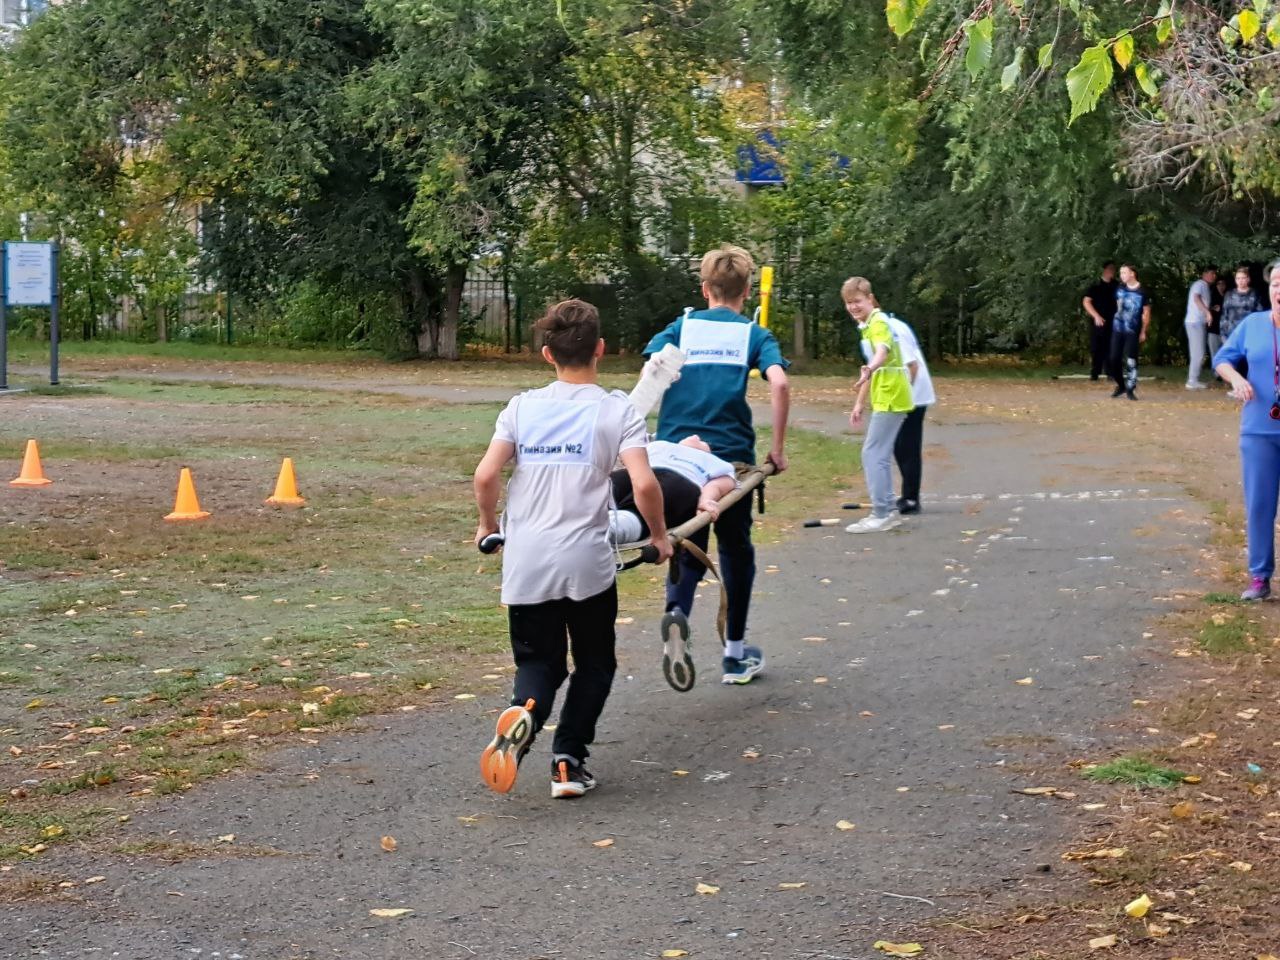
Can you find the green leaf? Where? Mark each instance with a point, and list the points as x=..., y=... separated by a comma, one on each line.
x=1260, y=7
x=1265, y=99
x=1250, y=24
x=1123, y=50
x=978, y=55
x=1088, y=80
x=903, y=14
x=1142, y=73
x=1045, y=57
x=1228, y=35
x=1273, y=31
x=1013, y=72
x=1164, y=22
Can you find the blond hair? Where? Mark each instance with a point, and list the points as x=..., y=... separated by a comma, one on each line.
x=727, y=272
x=856, y=285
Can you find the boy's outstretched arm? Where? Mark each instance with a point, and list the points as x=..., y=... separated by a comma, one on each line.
x=488, y=485
x=709, y=498
x=648, y=497
x=780, y=404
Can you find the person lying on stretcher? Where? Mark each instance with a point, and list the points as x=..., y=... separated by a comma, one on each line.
x=692, y=479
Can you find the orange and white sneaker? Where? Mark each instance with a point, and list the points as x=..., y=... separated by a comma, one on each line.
x=500, y=761
x=569, y=779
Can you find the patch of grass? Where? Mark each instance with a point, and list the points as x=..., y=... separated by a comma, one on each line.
x=1137, y=771
x=89, y=780
x=30, y=823
x=1227, y=599
x=1225, y=634
x=62, y=390
x=34, y=351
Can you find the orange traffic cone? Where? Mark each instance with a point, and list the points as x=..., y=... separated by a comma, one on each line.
x=286, y=494
x=187, y=506
x=32, y=474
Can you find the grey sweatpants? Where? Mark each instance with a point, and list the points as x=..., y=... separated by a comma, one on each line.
x=877, y=460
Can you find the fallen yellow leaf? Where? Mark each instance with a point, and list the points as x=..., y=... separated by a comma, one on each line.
x=34, y=704
x=388, y=844
x=310, y=709
x=706, y=888
x=1156, y=931
x=51, y=831
x=1108, y=853
x=1100, y=943
x=793, y=886
x=898, y=949
x=1037, y=791
x=390, y=912
x=1138, y=908
x=465, y=696
x=607, y=842
x=674, y=953
x=95, y=879
x=227, y=838
x=1183, y=809
x=819, y=679
x=679, y=773
x=1025, y=681
x=1191, y=779
x=1240, y=865
x=844, y=825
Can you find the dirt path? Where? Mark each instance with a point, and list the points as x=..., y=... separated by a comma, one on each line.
x=892, y=701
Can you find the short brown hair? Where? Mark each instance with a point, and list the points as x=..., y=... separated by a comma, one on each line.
x=727, y=271
x=571, y=330
x=856, y=285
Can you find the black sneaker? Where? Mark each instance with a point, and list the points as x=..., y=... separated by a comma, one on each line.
x=570, y=779
x=906, y=506
x=1131, y=395
x=677, y=663
x=1117, y=392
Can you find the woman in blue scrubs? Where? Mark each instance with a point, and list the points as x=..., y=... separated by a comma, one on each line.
x=1257, y=340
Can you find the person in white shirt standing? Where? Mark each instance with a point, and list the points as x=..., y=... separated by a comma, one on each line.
x=558, y=574
x=1197, y=320
x=908, y=448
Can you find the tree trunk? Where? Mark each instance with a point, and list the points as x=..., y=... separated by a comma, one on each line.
x=455, y=280
x=162, y=323
x=418, y=303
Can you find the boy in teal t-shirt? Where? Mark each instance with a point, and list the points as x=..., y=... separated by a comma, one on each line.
x=885, y=379
x=721, y=347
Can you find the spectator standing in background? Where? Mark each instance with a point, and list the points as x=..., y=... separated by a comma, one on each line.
x=1216, y=295
x=1239, y=302
x=1196, y=321
x=1100, y=304
x=1129, y=329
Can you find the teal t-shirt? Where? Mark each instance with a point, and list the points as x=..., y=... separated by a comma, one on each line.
x=710, y=398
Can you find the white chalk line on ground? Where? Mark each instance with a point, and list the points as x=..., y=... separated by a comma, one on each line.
x=1080, y=496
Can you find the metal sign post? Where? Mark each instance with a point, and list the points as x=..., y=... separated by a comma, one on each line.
x=4, y=327
x=29, y=278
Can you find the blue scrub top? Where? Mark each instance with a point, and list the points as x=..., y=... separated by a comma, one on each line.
x=1255, y=340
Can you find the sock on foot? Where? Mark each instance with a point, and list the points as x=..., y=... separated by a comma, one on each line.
x=734, y=649
x=624, y=526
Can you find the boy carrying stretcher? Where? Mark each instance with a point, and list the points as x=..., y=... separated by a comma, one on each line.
x=558, y=574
